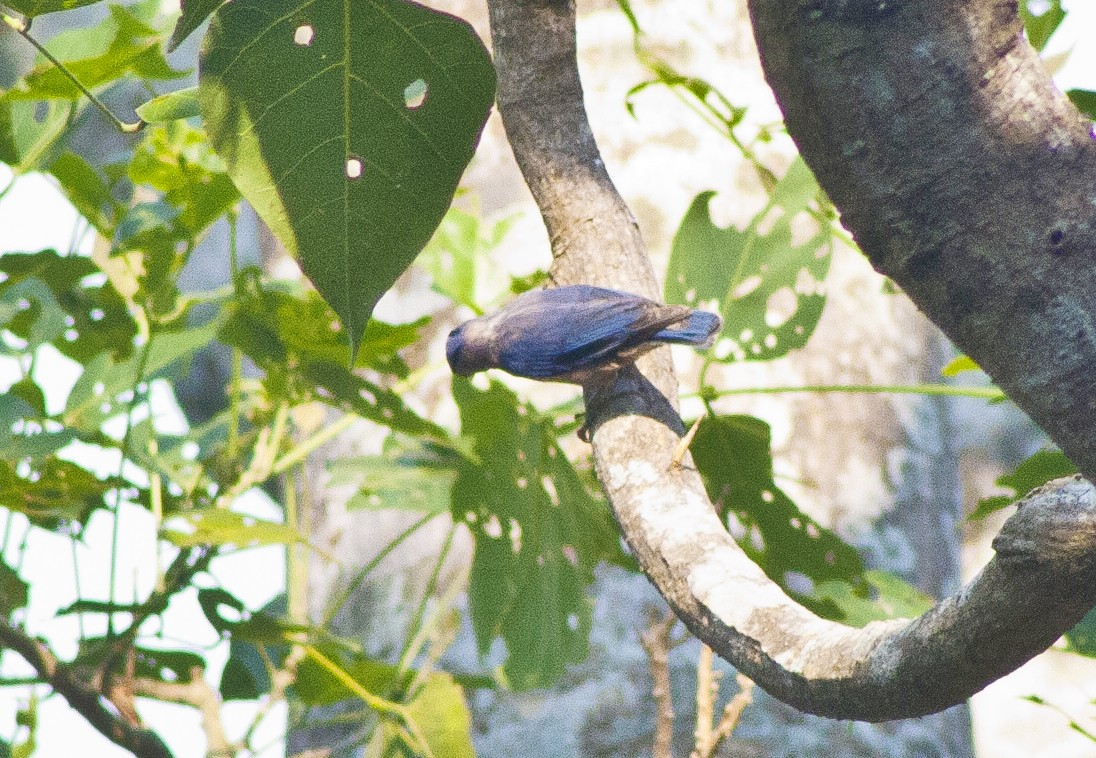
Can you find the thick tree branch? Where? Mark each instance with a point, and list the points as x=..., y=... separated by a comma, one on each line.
x=965, y=176
x=1042, y=580
x=84, y=698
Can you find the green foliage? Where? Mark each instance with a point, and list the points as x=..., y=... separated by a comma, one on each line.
x=880, y=596
x=1040, y=468
x=539, y=533
x=1084, y=100
x=122, y=45
x=194, y=13
x=733, y=456
x=438, y=714
x=175, y=105
x=1081, y=639
x=14, y=592
x=33, y=8
x=765, y=280
x=216, y=526
x=352, y=178
x=1040, y=28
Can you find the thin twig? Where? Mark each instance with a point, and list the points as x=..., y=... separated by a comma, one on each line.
x=656, y=642
x=84, y=698
x=706, y=689
x=733, y=711
x=198, y=694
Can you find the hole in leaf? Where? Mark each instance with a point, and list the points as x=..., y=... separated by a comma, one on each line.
x=769, y=220
x=492, y=527
x=41, y=110
x=572, y=622
x=414, y=94
x=570, y=554
x=780, y=307
x=354, y=167
x=304, y=34
x=804, y=228
x=550, y=489
x=746, y=286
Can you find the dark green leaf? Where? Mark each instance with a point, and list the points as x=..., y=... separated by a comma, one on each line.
x=14, y=592
x=733, y=456
x=306, y=103
x=175, y=105
x=1041, y=27
x=167, y=665
x=1084, y=100
x=1037, y=470
x=539, y=533
x=246, y=675
x=263, y=627
x=766, y=280
x=194, y=13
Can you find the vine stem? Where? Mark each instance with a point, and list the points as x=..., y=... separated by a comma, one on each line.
x=22, y=28
x=948, y=390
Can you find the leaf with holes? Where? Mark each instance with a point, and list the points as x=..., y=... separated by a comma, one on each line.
x=1041, y=19
x=733, y=457
x=347, y=125
x=539, y=533
x=766, y=280
x=52, y=493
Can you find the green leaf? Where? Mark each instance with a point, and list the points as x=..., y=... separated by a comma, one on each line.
x=766, y=280
x=52, y=492
x=316, y=685
x=33, y=8
x=1081, y=639
x=885, y=596
x=733, y=456
x=31, y=133
x=81, y=315
x=133, y=48
x=216, y=526
x=86, y=190
x=539, y=533
x=958, y=365
x=305, y=101
x=458, y=261
x=413, y=478
x=176, y=159
x=441, y=716
x=1084, y=100
x=1041, y=27
x=175, y=105
x=27, y=717
x=1040, y=468
x=14, y=592
x=194, y=13
x=265, y=626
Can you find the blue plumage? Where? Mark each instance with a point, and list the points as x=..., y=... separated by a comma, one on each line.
x=573, y=334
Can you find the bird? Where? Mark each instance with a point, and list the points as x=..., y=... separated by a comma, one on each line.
x=576, y=334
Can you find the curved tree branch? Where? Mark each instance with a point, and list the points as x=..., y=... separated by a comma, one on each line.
x=1041, y=581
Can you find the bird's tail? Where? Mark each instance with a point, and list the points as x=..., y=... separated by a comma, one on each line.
x=698, y=330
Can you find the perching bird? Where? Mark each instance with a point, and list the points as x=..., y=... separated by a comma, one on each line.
x=573, y=334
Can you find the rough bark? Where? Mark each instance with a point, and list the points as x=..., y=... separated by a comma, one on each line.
x=1040, y=583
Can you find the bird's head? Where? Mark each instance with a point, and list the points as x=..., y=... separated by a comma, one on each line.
x=471, y=348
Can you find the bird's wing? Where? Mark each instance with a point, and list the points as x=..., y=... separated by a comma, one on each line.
x=584, y=333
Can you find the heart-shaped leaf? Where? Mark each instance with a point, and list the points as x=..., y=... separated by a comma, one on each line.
x=347, y=125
